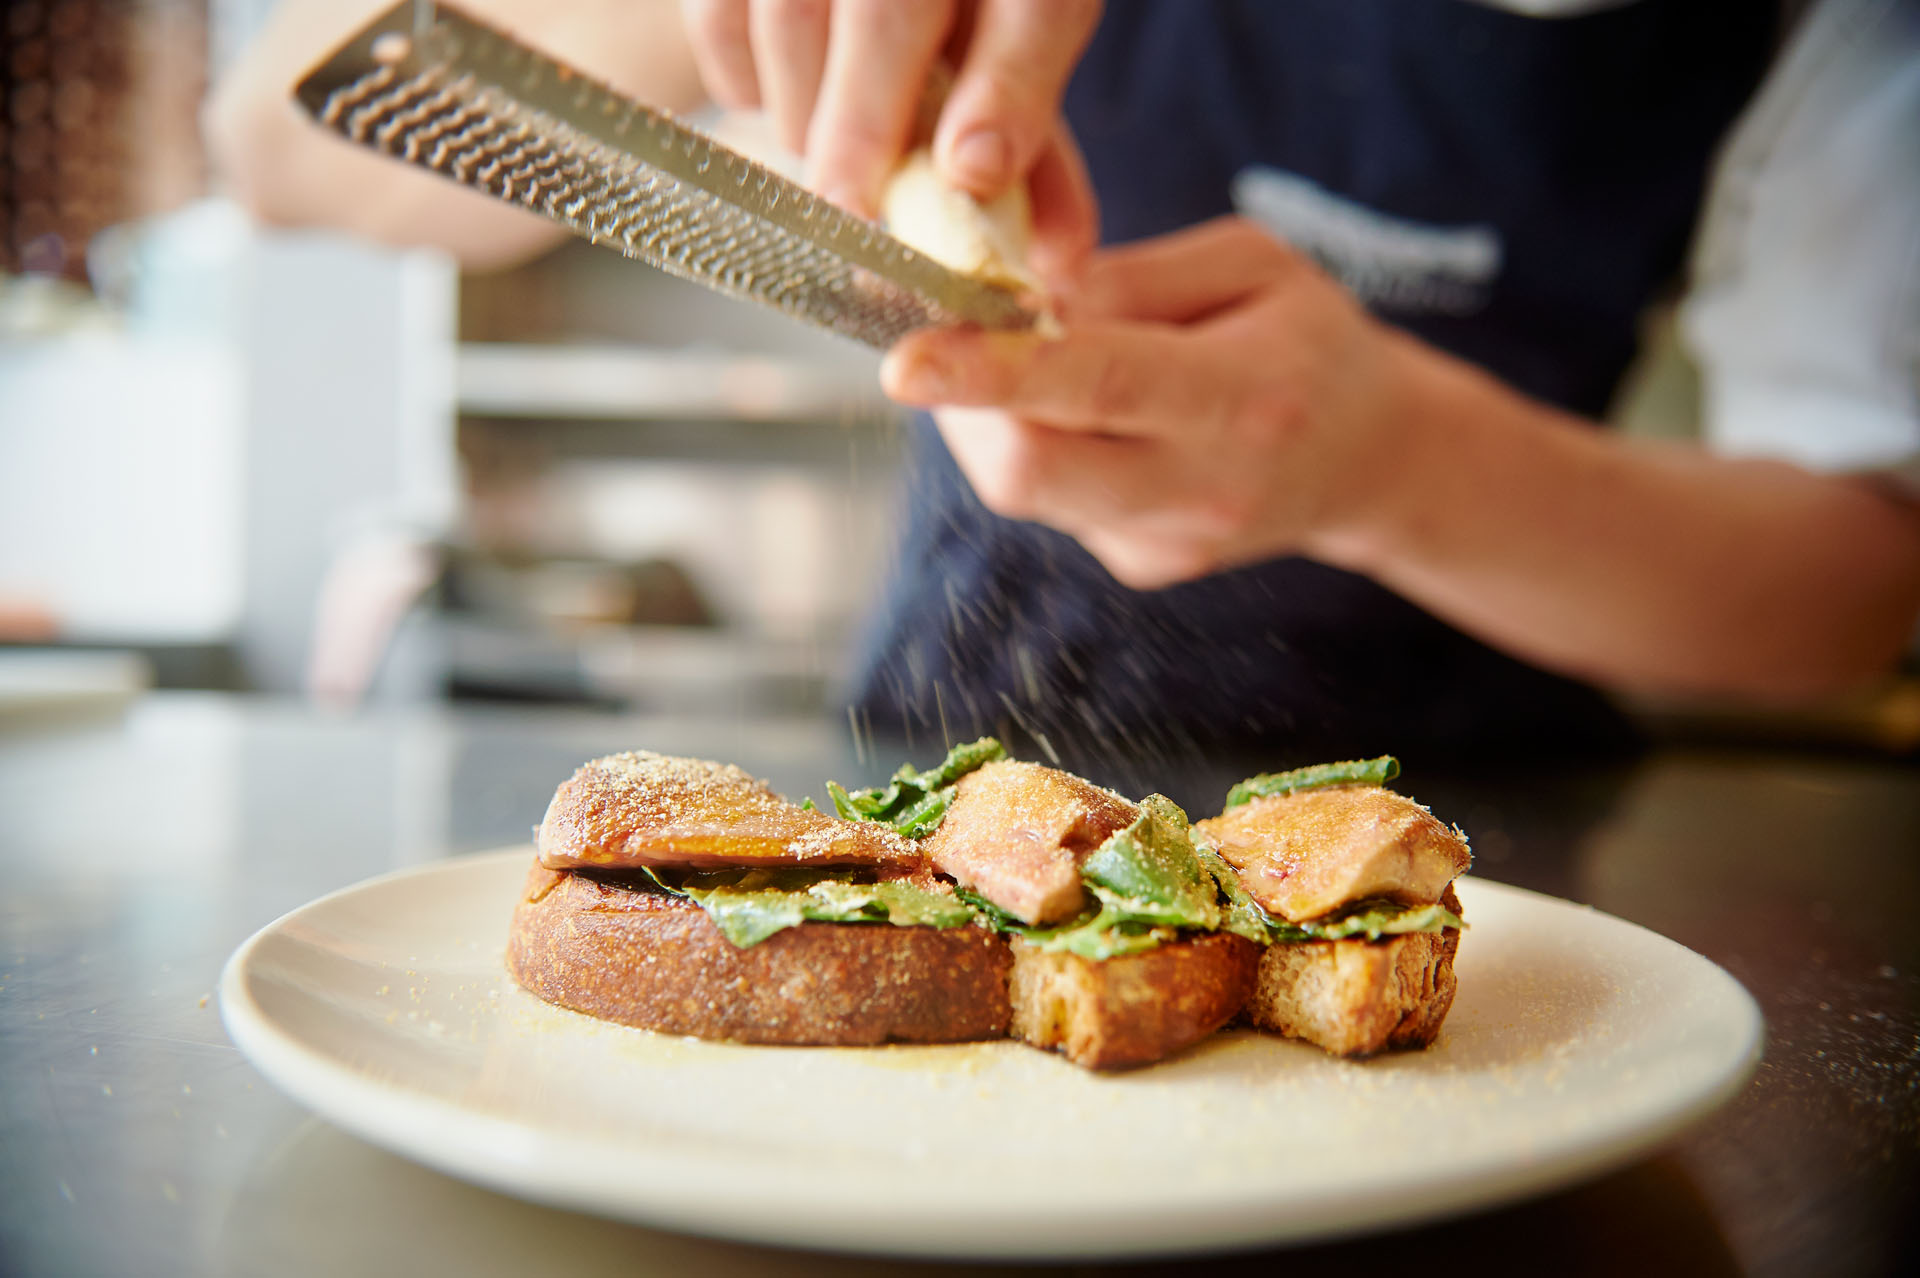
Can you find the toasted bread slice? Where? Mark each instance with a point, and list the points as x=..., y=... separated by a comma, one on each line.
x=655, y=961
x=1358, y=997
x=1135, y=1009
x=652, y=960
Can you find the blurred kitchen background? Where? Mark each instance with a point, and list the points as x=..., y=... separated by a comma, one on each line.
x=297, y=464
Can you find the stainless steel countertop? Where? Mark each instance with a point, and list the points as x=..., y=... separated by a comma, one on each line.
x=137, y=852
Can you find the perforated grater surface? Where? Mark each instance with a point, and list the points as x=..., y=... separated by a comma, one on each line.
x=431, y=86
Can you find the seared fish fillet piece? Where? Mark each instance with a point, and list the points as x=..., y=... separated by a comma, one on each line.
x=1016, y=833
x=1306, y=854
x=640, y=809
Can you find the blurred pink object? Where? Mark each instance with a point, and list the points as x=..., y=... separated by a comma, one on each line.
x=24, y=620
x=368, y=589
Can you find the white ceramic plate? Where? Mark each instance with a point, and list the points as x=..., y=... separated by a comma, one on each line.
x=1577, y=1043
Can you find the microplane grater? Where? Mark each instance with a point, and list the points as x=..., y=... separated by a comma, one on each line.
x=438, y=89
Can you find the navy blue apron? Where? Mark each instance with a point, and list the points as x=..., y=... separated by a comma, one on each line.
x=1514, y=190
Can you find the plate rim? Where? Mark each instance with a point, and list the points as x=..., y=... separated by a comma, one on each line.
x=475, y=1147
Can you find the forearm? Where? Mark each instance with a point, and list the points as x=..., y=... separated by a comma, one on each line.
x=1632, y=564
x=1219, y=400
x=288, y=171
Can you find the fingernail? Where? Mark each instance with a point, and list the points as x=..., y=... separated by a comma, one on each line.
x=982, y=156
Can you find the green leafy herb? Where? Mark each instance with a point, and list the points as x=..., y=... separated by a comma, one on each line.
x=1241, y=914
x=1375, y=919
x=1355, y=772
x=990, y=914
x=924, y=817
x=914, y=802
x=1096, y=940
x=1090, y=936
x=1147, y=881
x=748, y=906
x=748, y=918
x=1149, y=872
x=903, y=904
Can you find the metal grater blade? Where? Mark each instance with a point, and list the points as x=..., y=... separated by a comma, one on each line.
x=436, y=88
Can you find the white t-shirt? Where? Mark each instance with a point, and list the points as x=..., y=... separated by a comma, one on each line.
x=1803, y=311
x=1804, y=307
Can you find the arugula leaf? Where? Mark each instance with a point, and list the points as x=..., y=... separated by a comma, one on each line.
x=1313, y=777
x=1090, y=935
x=1242, y=914
x=748, y=906
x=1149, y=872
x=1094, y=941
x=900, y=903
x=914, y=802
x=1147, y=882
x=1375, y=919
x=843, y=803
x=748, y=918
x=990, y=914
x=920, y=820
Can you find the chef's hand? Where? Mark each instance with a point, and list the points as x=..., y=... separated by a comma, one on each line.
x=842, y=82
x=1216, y=399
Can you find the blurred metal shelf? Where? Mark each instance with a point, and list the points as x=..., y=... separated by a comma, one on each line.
x=652, y=668
x=601, y=382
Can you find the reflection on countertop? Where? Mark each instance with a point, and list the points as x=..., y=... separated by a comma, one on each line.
x=138, y=852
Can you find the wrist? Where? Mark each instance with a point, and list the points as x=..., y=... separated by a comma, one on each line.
x=1393, y=476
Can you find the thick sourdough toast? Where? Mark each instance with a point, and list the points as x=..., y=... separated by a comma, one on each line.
x=657, y=962
x=1358, y=997
x=1134, y=1009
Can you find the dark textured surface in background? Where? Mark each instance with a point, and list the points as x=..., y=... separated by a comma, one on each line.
x=99, y=105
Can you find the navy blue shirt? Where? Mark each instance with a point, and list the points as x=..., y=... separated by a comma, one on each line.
x=1514, y=190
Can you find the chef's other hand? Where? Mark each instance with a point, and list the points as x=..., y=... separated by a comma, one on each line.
x=842, y=82
x=1216, y=399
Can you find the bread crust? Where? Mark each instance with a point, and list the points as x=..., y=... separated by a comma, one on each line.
x=1133, y=1010
x=657, y=962
x=1357, y=997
